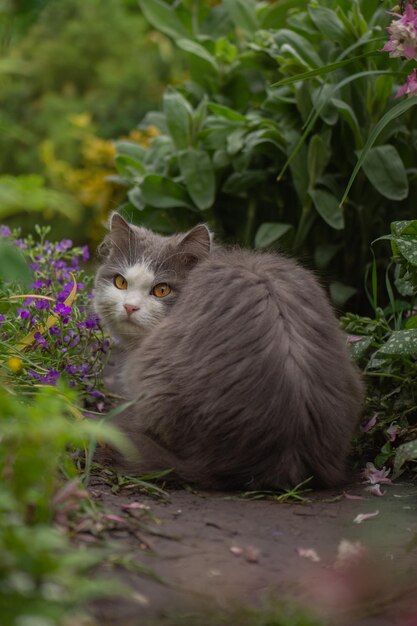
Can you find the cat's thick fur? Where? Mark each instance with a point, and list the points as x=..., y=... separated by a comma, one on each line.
x=243, y=379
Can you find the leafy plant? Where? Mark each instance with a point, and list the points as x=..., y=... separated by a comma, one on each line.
x=246, y=141
x=47, y=329
x=385, y=346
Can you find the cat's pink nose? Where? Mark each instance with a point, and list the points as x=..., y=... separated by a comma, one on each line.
x=130, y=308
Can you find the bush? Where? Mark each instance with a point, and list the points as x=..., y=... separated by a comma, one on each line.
x=246, y=141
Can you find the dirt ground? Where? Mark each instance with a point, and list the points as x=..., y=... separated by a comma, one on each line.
x=212, y=550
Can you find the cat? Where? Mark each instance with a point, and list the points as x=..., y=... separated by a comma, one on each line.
x=239, y=374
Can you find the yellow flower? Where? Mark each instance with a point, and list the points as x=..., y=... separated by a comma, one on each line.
x=80, y=120
x=15, y=364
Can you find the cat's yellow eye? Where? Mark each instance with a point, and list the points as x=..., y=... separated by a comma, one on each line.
x=120, y=281
x=161, y=290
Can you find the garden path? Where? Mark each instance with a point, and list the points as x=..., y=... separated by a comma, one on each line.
x=213, y=551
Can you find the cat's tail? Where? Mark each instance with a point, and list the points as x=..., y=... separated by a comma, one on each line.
x=151, y=457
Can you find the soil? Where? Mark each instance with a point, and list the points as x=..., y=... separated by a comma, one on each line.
x=214, y=550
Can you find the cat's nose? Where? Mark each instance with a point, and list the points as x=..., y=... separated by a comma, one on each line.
x=130, y=308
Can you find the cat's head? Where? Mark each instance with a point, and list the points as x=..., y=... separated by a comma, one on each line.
x=142, y=274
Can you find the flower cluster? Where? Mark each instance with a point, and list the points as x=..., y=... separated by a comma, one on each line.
x=52, y=333
x=403, y=43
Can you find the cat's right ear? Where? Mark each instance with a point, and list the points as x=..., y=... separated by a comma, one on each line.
x=117, y=237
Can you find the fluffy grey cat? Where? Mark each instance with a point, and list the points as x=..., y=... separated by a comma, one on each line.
x=239, y=373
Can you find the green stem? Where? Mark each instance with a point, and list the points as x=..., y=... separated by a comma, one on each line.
x=250, y=218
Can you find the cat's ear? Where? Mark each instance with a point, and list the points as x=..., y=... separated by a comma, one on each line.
x=196, y=244
x=117, y=237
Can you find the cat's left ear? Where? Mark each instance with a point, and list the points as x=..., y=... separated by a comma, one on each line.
x=196, y=244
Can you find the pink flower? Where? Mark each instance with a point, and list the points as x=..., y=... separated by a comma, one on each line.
x=392, y=432
x=409, y=87
x=369, y=424
x=354, y=338
x=403, y=35
x=375, y=476
x=375, y=490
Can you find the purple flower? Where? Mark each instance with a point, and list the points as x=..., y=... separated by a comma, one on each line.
x=374, y=476
x=41, y=304
x=24, y=314
x=63, y=245
x=21, y=244
x=54, y=330
x=71, y=369
x=409, y=87
x=50, y=378
x=35, y=267
x=38, y=284
x=40, y=340
x=370, y=423
x=2, y=318
x=85, y=253
x=63, y=295
x=5, y=231
x=62, y=309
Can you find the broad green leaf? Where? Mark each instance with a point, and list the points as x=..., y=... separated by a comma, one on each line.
x=359, y=348
x=324, y=253
x=198, y=173
x=404, y=240
x=341, y=293
x=392, y=114
x=164, y=193
x=404, y=453
x=303, y=46
x=269, y=232
x=328, y=208
x=243, y=14
x=327, y=22
x=401, y=343
x=130, y=148
x=178, y=117
x=163, y=17
x=128, y=166
x=411, y=322
x=199, y=51
x=385, y=170
x=318, y=156
x=13, y=265
x=228, y=114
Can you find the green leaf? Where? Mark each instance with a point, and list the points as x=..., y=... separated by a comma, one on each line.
x=323, y=70
x=385, y=170
x=228, y=114
x=198, y=173
x=328, y=208
x=404, y=453
x=163, y=17
x=391, y=115
x=178, y=115
x=13, y=265
x=359, y=348
x=404, y=240
x=348, y=114
x=412, y=322
x=268, y=233
x=164, y=193
x=401, y=343
x=199, y=51
x=243, y=14
x=131, y=148
x=128, y=166
x=318, y=157
x=314, y=115
x=328, y=23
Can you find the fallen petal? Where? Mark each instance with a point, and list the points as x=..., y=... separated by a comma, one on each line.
x=308, y=553
x=136, y=506
x=375, y=490
x=252, y=554
x=351, y=496
x=236, y=550
x=370, y=424
x=349, y=553
x=364, y=516
x=114, y=518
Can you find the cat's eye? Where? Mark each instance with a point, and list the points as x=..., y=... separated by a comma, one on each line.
x=120, y=281
x=161, y=290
